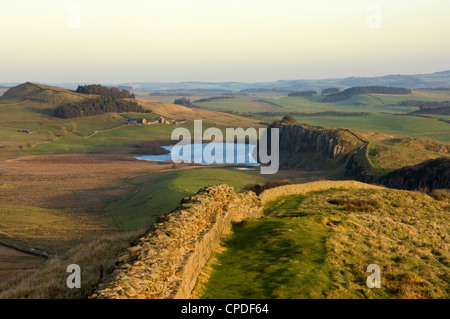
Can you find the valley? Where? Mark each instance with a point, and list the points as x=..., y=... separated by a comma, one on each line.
x=71, y=183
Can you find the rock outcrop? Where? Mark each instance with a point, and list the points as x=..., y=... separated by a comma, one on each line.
x=311, y=147
x=166, y=262
x=426, y=176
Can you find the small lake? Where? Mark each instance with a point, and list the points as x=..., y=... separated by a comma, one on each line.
x=245, y=152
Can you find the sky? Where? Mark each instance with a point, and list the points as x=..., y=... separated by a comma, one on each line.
x=125, y=41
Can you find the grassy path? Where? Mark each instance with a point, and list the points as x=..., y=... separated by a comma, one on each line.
x=277, y=256
x=319, y=245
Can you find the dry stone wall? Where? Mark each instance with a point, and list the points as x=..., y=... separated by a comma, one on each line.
x=166, y=261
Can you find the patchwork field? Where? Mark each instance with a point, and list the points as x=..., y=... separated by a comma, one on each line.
x=371, y=112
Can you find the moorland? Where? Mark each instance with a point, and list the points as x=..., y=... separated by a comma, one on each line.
x=71, y=189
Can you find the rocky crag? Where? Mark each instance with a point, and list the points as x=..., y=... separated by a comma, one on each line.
x=312, y=147
x=426, y=176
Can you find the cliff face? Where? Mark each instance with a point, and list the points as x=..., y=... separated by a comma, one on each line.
x=311, y=147
x=429, y=175
x=166, y=262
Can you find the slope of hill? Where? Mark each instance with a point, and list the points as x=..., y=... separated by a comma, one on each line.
x=319, y=244
x=42, y=94
x=27, y=124
x=175, y=111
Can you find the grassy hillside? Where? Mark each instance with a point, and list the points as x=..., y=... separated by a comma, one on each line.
x=318, y=245
x=29, y=106
x=49, y=95
x=158, y=193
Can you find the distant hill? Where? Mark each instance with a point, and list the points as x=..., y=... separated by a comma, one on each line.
x=359, y=90
x=414, y=81
x=50, y=95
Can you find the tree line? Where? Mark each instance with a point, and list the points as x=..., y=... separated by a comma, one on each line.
x=105, y=91
x=425, y=104
x=358, y=90
x=330, y=91
x=303, y=93
x=184, y=101
x=98, y=106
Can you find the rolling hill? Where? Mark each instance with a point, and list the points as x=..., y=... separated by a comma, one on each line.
x=49, y=95
x=29, y=107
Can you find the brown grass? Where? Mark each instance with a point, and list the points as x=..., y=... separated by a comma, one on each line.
x=405, y=233
x=53, y=203
x=408, y=240
x=180, y=112
x=356, y=205
x=49, y=281
x=440, y=194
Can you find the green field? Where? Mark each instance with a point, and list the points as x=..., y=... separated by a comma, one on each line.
x=402, y=125
x=158, y=193
x=360, y=103
x=376, y=113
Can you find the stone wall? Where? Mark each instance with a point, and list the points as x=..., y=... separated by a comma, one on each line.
x=165, y=262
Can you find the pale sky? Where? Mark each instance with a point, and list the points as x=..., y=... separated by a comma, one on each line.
x=219, y=40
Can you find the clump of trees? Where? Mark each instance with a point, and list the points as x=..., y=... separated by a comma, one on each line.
x=98, y=106
x=303, y=93
x=331, y=91
x=358, y=90
x=183, y=101
x=209, y=99
x=105, y=91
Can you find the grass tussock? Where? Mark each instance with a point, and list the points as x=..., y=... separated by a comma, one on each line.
x=49, y=281
x=356, y=205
